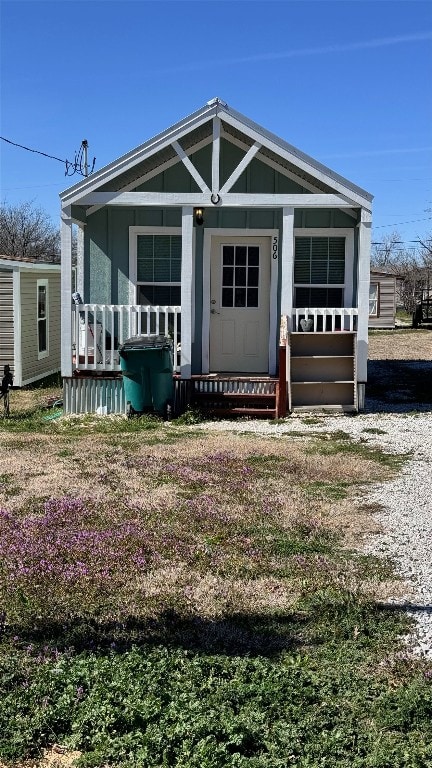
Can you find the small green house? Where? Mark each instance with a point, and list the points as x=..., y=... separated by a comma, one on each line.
x=226, y=238
x=29, y=319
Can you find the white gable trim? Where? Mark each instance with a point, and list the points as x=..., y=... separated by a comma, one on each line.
x=280, y=169
x=240, y=122
x=216, y=154
x=295, y=156
x=130, y=160
x=155, y=172
x=190, y=167
x=237, y=172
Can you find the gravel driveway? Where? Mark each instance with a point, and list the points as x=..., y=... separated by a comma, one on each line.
x=399, y=405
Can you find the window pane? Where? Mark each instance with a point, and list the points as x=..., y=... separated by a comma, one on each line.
x=41, y=301
x=253, y=256
x=240, y=276
x=227, y=297
x=240, y=297
x=159, y=295
x=319, y=260
x=240, y=255
x=252, y=297
x=335, y=297
x=228, y=276
x=228, y=254
x=253, y=273
x=42, y=335
x=302, y=260
x=373, y=299
x=159, y=258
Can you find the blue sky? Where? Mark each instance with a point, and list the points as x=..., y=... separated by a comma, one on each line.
x=347, y=82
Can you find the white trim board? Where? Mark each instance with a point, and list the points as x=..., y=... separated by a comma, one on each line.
x=205, y=330
x=229, y=200
x=40, y=266
x=16, y=290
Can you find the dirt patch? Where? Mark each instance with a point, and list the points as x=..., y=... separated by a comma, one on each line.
x=401, y=344
x=400, y=370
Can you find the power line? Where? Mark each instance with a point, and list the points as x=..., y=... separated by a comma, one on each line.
x=399, y=223
x=79, y=165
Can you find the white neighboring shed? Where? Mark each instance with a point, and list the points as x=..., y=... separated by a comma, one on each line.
x=29, y=319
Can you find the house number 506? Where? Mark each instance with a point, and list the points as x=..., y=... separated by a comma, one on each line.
x=275, y=247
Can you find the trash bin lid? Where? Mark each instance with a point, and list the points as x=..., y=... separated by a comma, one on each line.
x=146, y=342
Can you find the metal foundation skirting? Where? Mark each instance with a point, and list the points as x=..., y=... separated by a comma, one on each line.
x=93, y=395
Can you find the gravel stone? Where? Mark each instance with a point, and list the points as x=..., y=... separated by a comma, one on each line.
x=405, y=502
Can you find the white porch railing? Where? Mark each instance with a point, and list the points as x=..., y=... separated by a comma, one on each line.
x=100, y=329
x=324, y=319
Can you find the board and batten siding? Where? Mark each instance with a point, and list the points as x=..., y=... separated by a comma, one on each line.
x=386, y=301
x=32, y=367
x=6, y=321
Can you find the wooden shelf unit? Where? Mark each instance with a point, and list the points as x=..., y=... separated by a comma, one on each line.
x=321, y=370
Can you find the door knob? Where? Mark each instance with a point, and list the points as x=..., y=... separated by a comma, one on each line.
x=213, y=312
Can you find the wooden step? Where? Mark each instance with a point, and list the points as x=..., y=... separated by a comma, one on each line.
x=236, y=404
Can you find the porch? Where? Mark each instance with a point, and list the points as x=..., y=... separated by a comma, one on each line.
x=316, y=369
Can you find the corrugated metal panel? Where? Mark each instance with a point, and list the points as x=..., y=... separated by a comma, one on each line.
x=86, y=395
x=6, y=321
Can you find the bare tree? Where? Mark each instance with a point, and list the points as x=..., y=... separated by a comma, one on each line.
x=27, y=232
x=385, y=254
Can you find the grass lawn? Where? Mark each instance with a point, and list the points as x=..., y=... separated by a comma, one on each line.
x=173, y=598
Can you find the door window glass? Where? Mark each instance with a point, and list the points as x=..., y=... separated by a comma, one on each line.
x=240, y=276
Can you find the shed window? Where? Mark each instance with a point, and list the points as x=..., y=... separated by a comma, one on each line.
x=319, y=271
x=373, y=299
x=159, y=269
x=42, y=318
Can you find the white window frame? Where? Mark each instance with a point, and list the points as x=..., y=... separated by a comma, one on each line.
x=134, y=233
x=347, y=286
x=42, y=284
x=376, y=299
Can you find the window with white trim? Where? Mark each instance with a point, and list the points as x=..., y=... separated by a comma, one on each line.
x=319, y=271
x=159, y=269
x=42, y=318
x=373, y=299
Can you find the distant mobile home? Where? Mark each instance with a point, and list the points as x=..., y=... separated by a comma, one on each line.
x=29, y=319
x=382, y=299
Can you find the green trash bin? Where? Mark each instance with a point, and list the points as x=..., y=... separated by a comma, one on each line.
x=146, y=365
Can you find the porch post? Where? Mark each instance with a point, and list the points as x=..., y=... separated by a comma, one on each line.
x=80, y=260
x=66, y=291
x=186, y=292
x=364, y=242
x=287, y=284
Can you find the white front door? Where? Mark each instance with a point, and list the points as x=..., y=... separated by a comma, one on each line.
x=239, y=304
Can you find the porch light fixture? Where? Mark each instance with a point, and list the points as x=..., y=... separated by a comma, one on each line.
x=199, y=216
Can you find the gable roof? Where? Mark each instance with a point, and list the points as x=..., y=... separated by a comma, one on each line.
x=15, y=263
x=197, y=129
